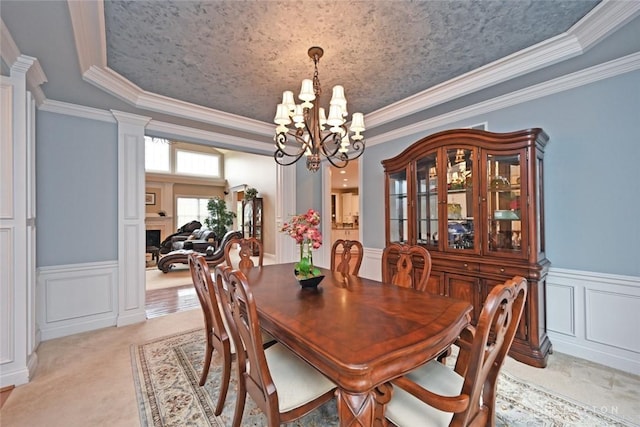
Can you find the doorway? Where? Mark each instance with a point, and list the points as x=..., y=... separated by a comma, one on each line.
x=341, y=201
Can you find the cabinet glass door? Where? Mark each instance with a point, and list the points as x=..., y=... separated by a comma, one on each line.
x=504, y=203
x=461, y=203
x=427, y=201
x=398, y=212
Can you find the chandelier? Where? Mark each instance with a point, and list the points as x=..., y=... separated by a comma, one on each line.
x=309, y=136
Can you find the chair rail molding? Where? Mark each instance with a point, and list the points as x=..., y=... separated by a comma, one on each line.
x=590, y=315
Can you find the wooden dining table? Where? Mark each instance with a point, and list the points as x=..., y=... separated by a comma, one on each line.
x=360, y=333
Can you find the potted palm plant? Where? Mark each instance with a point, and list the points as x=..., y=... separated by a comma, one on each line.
x=219, y=218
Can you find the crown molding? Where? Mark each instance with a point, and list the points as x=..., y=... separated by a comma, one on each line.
x=8, y=48
x=163, y=128
x=163, y=104
x=17, y=62
x=87, y=19
x=89, y=33
x=113, y=83
x=605, y=18
x=533, y=58
x=35, y=79
x=593, y=74
x=233, y=142
x=75, y=110
x=116, y=85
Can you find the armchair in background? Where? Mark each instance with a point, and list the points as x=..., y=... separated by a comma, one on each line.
x=167, y=244
x=199, y=240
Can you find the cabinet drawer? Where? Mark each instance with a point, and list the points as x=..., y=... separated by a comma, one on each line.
x=502, y=270
x=458, y=266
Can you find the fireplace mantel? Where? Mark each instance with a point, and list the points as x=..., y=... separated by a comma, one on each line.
x=162, y=223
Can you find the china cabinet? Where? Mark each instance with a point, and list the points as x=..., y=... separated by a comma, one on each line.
x=252, y=220
x=474, y=199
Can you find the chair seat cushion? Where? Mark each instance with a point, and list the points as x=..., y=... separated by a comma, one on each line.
x=297, y=382
x=404, y=409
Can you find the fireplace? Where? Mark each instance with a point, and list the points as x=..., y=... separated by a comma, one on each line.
x=153, y=238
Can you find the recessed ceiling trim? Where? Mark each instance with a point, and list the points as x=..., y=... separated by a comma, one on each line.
x=595, y=26
x=163, y=104
x=609, y=69
x=89, y=30
x=604, y=19
x=8, y=48
x=87, y=20
x=113, y=83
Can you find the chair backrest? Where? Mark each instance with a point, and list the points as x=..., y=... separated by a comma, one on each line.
x=483, y=350
x=244, y=325
x=403, y=274
x=202, y=281
x=246, y=248
x=342, y=261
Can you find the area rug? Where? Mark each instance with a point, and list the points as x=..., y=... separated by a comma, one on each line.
x=156, y=279
x=167, y=371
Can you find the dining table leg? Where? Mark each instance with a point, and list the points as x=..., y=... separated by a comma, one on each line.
x=364, y=409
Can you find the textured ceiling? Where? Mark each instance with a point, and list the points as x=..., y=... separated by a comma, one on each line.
x=238, y=56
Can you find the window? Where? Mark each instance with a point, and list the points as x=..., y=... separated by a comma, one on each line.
x=170, y=157
x=191, y=208
x=194, y=163
x=156, y=155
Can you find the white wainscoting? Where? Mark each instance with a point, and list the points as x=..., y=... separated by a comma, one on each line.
x=593, y=316
x=76, y=298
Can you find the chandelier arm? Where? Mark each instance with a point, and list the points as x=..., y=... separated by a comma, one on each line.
x=281, y=143
x=332, y=136
x=339, y=166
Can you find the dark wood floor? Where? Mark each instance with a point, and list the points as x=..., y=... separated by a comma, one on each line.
x=161, y=302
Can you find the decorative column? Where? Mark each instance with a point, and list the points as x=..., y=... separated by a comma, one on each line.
x=131, y=213
x=19, y=333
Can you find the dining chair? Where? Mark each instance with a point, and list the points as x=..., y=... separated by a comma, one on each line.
x=281, y=384
x=403, y=274
x=246, y=250
x=343, y=250
x=437, y=395
x=215, y=329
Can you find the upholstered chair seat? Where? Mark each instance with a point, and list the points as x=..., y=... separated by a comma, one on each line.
x=295, y=382
x=407, y=410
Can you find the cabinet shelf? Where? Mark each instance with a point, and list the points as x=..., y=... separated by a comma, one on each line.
x=504, y=189
x=252, y=220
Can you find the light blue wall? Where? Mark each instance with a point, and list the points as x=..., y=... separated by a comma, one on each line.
x=592, y=173
x=308, y=189
x=77, y=190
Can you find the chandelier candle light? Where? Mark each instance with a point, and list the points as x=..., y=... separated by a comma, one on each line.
x=309, y=136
